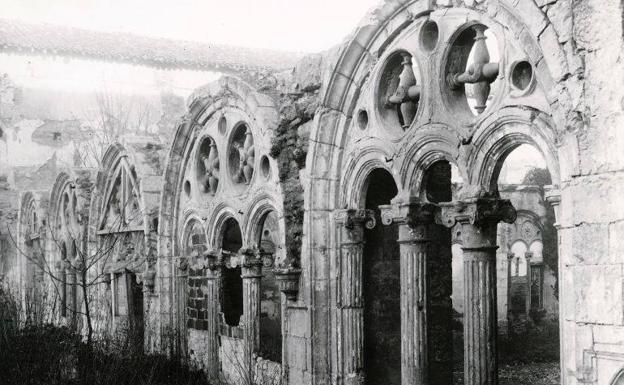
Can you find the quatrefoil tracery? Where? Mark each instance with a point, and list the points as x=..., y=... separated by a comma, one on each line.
x=407, y=93
x=481, y=73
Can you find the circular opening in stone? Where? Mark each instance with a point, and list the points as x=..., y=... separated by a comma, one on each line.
x=222, y=125
x=398, y=92
x=429, y=34
x=522, y=75
x=187, y=188
x=241, y=155
x=472, y=69
x=362, y=119
x=207, y=166
x=265, y=166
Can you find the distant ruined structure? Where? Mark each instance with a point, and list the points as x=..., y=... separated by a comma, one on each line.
x=307, y=225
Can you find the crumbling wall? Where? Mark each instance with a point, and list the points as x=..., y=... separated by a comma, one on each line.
x=591, y=217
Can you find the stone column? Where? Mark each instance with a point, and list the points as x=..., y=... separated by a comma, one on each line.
x=413, y=219
x=510, y=257
x=528, y=255
x=252, y=275
x=213, y=285
x=478, y=218
x=349, y=300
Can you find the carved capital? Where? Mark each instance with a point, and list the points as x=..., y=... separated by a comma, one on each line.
x=288, y=282
x=353, y=223
x=350, y=218
x=213, y=260
x=251, y=263
x=412, y=214
x=479, y=212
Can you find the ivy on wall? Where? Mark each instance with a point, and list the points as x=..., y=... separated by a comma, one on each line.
x=289, y=149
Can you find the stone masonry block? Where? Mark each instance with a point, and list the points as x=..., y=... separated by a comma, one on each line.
x=554, y=55
x=598, y=294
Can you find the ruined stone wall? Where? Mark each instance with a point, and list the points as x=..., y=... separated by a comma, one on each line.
x=591, y=212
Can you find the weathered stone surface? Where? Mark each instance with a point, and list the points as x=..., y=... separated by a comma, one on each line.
x=560, y=15
x=598, y=291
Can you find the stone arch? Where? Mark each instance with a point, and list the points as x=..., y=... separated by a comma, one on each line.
x=356, y=177
x=259, y=207
x=499, y=135
x=217, y=222
x=426, y=149
x=618, y=379
x=188, y=218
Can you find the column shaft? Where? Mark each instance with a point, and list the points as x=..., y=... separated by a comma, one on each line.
x=480, y=327
x=414, y=350
x=213, y=282
x=479, y=217
x=352, y=313
x=349, y=301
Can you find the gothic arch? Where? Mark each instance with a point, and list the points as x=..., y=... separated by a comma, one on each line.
x=259, y=208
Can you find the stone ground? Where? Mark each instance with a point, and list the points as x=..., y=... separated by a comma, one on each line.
x=523, y=374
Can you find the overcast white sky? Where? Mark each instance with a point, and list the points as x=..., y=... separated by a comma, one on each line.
x=293, y=25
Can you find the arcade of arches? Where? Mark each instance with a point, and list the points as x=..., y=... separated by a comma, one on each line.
x=432, y=183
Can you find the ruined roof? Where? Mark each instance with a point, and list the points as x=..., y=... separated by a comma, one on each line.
x=44, y=39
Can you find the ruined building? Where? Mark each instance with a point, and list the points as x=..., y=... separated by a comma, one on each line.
x=328, y=223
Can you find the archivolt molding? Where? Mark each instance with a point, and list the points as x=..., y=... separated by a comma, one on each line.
x=500, y=134
x=259, y=207
x=190, y=217
x=357, y=169
x=425, y=147
x=215, y=225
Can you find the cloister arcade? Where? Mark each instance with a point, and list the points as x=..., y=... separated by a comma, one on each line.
x=341, y=246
